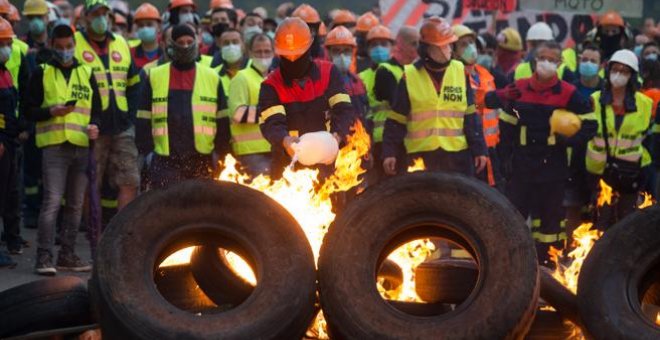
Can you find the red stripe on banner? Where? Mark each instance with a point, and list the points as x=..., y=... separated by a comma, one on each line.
x=394, y=10
x=417, y=14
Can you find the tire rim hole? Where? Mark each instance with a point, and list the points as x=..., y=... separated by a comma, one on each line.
x=649, y=295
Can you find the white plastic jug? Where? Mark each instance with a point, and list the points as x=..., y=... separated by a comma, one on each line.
x=316, y=148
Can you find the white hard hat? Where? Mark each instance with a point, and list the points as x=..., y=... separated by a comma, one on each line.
x=540, y=31
x=626, y=57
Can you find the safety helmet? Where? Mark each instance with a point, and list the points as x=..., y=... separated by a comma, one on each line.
x=380, y=32
x=366, y=22
x=5, y=7
x=215, y=4
x=436, y=31
x=625, y=57
x=180, y=3
x=292, y=38
x=462, y=30
x=343, y=17
x=6, y=32
x=35, y=7
x=307, y=13
x=340, y=35
x=119, y=18
x=509, y=39
x=146, y=11
x=14, y=15
x=540, y=31
x=564, y=123
x=323, y=30
x=611, y=18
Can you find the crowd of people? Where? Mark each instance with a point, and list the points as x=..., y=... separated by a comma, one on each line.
x=142, y=99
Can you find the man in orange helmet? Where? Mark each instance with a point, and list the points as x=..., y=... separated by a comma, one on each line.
x=344, y=18
x=182, y=12
x=434, y=112
x=302, y=95
x=147, y=20
x=309, y=15
x=365, y=22
x=611, y=33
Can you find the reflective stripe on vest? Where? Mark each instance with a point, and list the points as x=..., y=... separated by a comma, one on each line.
x=72, y=127
x=246, y=139
x=119, y=56
x=626, y=142
x=204, y=108
x=380, y=110
x=436, y=120
x=524, y=70
x=490, y=117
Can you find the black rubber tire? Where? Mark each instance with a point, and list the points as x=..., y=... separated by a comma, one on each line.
x=408, y=207
x=548, y=325
x=213, y=274
x=445, y=280
x=608, y=286
x=559, y=297
x=391, y=273
x=178, y=286
x=53, y=303
x=210, y=213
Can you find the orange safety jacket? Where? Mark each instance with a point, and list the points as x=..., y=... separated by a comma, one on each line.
x=483, y=83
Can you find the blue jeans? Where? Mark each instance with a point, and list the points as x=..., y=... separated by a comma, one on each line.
x=64, y=176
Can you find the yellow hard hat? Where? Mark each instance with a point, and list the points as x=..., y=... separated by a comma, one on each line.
x=35, y=7
x=564, y=123
x=462, y=30
x=509, y=39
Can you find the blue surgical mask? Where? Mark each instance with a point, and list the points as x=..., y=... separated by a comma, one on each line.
x=37, y=26
x=100, y=24
x=250, y=32
x=380, y=54
x=271, y=35
x=342, y=61
x=207, y=38
x=485, y=60
x=588, y=69
x=147, y=34
x=638, y=50
x=63, y=56
x=651, y=57
x=5, y=53
x=186, y=18
x=231, y=53
x=470, y=54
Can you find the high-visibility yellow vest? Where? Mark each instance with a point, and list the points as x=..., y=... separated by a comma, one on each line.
x=206, y=60
x=569, y=58
x=133, y=42
x=246, y=139
x=119, y=56
x=204, y=108
x=379, y=109
x=436, y=121
x=524, y=70
x=72, y=127
x=13, y=64
x=624, y=143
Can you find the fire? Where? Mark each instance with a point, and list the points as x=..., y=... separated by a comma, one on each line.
x=237, y=264
x=657, y=319
x=418, y=165
x=408, y=257
x=584, y=239
x=605, y=196
x=647, y=202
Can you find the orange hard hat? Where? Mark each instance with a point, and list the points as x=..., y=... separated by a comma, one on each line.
x=77, y=12
x=307, y=13
x=611, y=18
x=323, y=30
x=436, y=31
x=292, y=38
x=6, y=32
x=366, y=22
x=340, y=35
x=146, y=11
x=180, y=3
x=343, y=17
x=5, y=7
x=380, y=32
x=14, y=15
x=120, y=19
x=215, y=4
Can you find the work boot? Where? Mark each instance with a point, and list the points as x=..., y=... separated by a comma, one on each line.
x=44, y=264
x=6, y=261
x=69, y=261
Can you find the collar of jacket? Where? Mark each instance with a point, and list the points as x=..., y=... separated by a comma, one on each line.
x=629, y=103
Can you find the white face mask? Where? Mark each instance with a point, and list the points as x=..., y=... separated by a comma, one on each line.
x=186, y=18
x=618, y=79
x=231, y=53
x=546, y=69
x=262, y=64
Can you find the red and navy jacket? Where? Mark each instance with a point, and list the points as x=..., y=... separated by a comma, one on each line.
x=9, y=126
x=358, y=92
x=526, y=142
x=304, y=105
x=140, y=57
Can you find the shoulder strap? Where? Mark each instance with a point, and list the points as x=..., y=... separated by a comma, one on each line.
x=606, y=135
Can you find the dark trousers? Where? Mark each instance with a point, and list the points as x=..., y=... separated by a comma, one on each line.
x=439, y=160
x=622, y=205
x=32, y=188
x=167, y=171
x=542, y=203
x=9, y=198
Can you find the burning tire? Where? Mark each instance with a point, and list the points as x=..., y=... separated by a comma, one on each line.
x=418, y=206
x=53, y=303
x=559, y=297
x=445, y=280
x=549, y=325
x=178, y=286
x=616, y=274
x=215, y=214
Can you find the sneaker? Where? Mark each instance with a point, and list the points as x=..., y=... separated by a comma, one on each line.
x=69, y=261
x=6, y=261
x=15, y=249
x=44, y=264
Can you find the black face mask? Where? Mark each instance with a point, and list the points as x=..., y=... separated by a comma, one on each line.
x=610, y=44
x=423, y=51
x=219, y=28
x=295, y=69
x=182, y=55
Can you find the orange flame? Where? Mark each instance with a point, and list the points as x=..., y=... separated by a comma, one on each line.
x=647, y=202
x=657, y=319
x=605, y=196
x=418, y=165
x=408, y=257
x=584, y=239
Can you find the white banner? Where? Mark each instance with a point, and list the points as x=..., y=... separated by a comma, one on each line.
x=627, y=8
